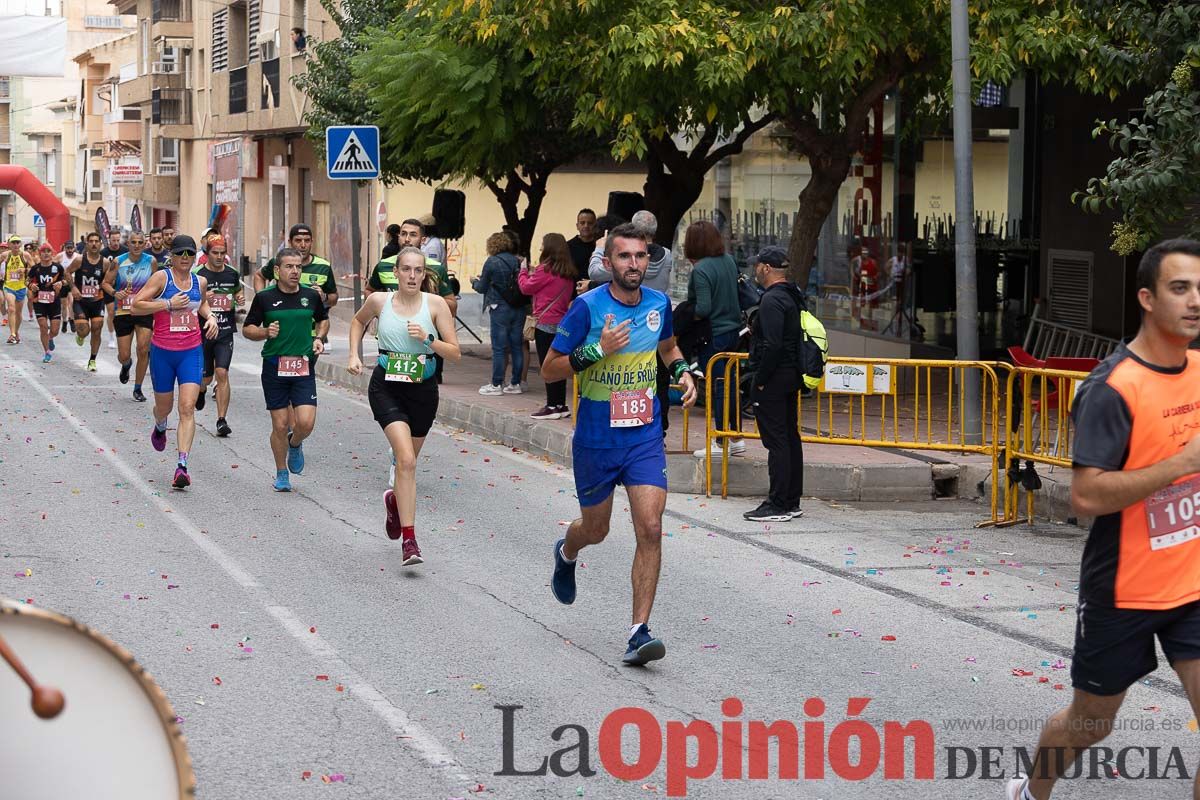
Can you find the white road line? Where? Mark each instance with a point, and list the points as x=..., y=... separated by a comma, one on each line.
x=417, y=739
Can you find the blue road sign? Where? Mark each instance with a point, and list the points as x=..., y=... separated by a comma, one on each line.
x=352, y=152
x=38, y=222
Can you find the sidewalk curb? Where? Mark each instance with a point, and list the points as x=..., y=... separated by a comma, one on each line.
x=685, y=472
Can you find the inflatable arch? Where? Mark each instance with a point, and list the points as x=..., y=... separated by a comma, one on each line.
x=57, y=217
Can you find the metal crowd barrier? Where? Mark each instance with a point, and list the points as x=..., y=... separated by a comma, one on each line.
x=686, y=412
x=873, y=402
x=1039, y=432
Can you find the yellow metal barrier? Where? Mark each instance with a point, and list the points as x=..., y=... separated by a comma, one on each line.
x=874, y=402
x=686, y=412
x=1040, y=431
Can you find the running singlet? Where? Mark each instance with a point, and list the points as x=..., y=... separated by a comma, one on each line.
x=14, y=272
x=1129, y=415
x=297, y=314
x=178, y=328
x=403, y=358
x=88, y=278
x=45, y=276
x=132, y=276
x=223, y=285
x=617, y=405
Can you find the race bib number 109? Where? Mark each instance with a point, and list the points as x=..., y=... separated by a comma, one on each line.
x=1173, y=514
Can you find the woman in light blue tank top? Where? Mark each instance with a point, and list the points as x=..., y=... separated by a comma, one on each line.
x=414, y=326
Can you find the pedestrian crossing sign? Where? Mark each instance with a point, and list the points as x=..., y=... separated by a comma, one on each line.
x=352, y=152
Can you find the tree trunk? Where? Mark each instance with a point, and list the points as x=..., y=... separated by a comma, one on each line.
x=509, y=196
x=669, y=195
x=816, y=201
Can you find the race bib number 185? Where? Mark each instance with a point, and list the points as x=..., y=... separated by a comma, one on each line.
x=631, y=409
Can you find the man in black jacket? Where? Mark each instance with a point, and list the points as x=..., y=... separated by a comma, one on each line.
x=777, y=376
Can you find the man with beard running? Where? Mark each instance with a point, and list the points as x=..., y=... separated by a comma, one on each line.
x=123, y=281
x=86, y=271
x=610, y=338
x=224, y=297
x=176, y=299
x=289, y=319
x=413, y=326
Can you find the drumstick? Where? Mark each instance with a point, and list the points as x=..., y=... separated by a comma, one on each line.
x=47, y=701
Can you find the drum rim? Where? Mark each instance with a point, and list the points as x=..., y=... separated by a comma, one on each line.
x=154, y=693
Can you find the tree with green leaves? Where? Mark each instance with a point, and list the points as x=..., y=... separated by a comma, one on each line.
x=447, y=109
x=681, y=75
x=1155, y=179
x=591, y=55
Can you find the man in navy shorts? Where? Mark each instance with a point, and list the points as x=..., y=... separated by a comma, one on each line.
x=611, y=337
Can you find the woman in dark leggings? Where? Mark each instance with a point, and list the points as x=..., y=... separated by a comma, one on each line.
x=551, y=284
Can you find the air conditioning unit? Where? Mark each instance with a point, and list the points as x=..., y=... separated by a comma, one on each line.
x=164, y=68
x=268, y=51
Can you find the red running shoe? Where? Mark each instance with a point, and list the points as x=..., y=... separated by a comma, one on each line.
x=182, y=481
x=392, y=524
x=412, y=553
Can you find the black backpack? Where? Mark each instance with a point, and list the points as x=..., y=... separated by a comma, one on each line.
x=510, y=291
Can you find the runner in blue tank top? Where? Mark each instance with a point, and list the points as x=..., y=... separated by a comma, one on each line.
x=413, y=325
x=610, y=337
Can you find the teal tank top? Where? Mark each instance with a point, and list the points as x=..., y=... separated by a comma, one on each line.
x=393, y=333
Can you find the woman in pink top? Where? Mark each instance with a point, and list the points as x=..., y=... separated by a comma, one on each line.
x=551, y=284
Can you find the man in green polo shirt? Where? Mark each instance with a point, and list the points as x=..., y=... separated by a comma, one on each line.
x=383, y=277
x=289, y=319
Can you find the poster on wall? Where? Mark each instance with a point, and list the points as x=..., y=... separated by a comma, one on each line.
x=225, y=164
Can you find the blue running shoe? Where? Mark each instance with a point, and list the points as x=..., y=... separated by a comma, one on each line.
x=46, y=358
x=282, y=482
x=562, y=583
x=643, y=648
x=51, y=343
x=295, y=459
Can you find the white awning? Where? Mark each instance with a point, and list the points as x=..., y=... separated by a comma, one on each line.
x=19, y=59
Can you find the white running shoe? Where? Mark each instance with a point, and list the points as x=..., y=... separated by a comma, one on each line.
x=490, y=388
x=112, y=344
x=513, y=388
x=1015, y=788
x=737, y=447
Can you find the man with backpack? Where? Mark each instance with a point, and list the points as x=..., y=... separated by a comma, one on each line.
x=785, y=357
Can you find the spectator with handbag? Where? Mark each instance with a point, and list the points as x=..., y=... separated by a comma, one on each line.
x=550, y=284
x=506, y=304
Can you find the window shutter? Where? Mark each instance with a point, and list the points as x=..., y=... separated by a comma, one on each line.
x=220, y=40
x=1070, y=288
x=252, y=17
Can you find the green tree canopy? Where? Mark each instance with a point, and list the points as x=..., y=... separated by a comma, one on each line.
x=1155, y=179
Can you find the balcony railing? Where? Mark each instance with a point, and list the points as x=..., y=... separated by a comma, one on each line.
x=237, y=90
x=168, y=168
x=171, y=11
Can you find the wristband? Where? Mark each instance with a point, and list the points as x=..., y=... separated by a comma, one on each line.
x=585, y=356
x=677, y=368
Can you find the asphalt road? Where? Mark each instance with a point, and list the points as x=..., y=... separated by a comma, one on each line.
x=905, y=604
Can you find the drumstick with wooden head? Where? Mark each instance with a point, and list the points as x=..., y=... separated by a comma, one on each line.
x=47, y=701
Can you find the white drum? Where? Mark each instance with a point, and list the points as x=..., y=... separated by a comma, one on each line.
x=116, y=737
